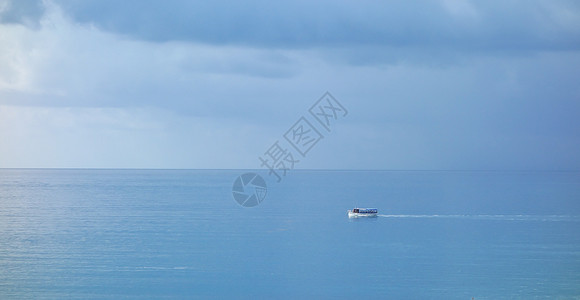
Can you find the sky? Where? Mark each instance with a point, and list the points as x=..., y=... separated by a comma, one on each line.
x=428, y=85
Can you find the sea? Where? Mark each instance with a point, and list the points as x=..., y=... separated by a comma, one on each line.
x=181, y=234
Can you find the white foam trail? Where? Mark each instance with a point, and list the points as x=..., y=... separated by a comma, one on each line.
x=548, y=218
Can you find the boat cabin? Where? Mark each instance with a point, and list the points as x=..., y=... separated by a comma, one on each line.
x=365, y=210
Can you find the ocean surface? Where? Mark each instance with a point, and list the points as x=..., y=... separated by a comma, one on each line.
x=179, y=234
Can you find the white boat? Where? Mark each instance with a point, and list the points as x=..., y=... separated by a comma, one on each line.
x=362, y=212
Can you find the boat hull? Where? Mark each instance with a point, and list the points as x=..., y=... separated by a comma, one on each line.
x=352, y=214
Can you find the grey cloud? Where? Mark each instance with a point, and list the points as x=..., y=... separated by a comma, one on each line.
x=26, y=12
x=481, y=26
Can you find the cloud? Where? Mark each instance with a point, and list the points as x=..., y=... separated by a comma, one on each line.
x=441, y=84
x=26, y=12
x=66, y=64
x=466, y=25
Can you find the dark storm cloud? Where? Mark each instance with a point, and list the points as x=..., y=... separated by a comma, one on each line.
x=27, y=12
x=479, y=26
x=430, y=84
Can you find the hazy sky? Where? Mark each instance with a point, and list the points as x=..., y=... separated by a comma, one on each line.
x=441, y=84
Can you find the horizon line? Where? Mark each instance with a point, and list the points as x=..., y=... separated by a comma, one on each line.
x=310, y=169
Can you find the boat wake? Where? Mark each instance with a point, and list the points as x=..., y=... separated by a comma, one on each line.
x=543, y=218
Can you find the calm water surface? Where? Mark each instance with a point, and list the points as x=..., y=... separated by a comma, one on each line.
x=110, y=234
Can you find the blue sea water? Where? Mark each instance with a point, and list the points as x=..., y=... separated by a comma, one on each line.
x=135, y=234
